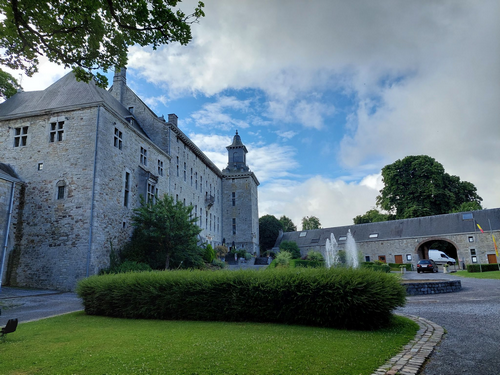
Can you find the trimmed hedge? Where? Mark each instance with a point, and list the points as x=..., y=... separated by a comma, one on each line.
x=398, y=266
x=484, y=267
x=306, y=263
x=339, y=298
x=376, y=267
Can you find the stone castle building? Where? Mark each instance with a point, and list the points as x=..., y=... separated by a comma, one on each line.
x=409, y=240
x=77, y=158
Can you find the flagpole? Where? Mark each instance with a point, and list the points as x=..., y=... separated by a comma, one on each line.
x=494, y=245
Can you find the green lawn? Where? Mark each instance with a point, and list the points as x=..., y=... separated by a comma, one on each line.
x=480, y=275
x=80, y=344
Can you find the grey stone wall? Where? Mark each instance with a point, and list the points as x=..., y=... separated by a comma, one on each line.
x=432, y=287
x=245, y=211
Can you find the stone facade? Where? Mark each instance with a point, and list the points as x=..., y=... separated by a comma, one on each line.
x=408, y=241
x=85, y=156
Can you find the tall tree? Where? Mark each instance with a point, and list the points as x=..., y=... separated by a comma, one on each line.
x=287, y=224
x=371, y=216
x=418, y=186
x=269, y=228
x=87, y=34
x=169, y=228
x=310, y=222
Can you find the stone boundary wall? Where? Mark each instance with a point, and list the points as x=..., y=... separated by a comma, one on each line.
x=432, y=287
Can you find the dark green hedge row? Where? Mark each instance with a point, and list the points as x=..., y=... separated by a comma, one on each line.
x=398, y=265
x=484, y=267
x=306, y=263
x=376, y=267
x=340, y=298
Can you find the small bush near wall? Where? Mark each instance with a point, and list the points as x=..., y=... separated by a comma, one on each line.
x=376, y=267
x=397, y=266
x=338, y=298
x=306, y=263
x=484, y=267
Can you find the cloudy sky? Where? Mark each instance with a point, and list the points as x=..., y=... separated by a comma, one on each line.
x=325, y=93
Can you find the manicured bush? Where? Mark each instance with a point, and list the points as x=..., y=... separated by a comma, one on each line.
x=218, y=263
x=397, y=266
x=380, y=267
x=483, y=268
x=306, y=263
x=208, y=253
x=248, y=256
x=339, y=298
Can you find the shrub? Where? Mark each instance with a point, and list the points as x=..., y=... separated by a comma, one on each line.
x=398, y=266
x=221, y=251
x=337, y=298
x=283, y=259
x=307, y=263
x=208, y=253
x=248, y=256
x=270, y=253
x=315, y=256
x=219, y=263
x=484, y=267
x=291, y=247
x=127, y=266
x=376, y=267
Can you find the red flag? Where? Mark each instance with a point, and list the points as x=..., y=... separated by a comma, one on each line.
x=481, y=229
x=495, y=243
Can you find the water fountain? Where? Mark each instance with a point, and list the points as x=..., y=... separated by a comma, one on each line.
x=332, y=258
x=351, y=251
x=331, y=252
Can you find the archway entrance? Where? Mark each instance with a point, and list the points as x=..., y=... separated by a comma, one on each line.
x=441, y=244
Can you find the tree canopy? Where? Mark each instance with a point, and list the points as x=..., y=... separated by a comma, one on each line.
x=310, y=222
x=418, y=186
x=168, y=230
x=87, y=35
x=371, y=216
x=287, y=224
x=269, y=228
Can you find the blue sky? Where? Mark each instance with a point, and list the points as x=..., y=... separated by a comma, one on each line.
x=325, y=93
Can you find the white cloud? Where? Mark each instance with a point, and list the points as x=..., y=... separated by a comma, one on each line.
x=286, y=135
x=334, y=202
x=215, y=114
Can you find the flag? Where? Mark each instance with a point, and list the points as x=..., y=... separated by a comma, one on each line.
x=481, y=229
x=495, y=243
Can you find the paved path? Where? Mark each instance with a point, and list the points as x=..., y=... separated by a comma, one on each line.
x=471, y=319
x=33, y=304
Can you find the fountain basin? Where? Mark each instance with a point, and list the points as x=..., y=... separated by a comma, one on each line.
x=422, y=287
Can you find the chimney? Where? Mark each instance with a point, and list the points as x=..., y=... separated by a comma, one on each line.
x=172, y=118
x=119, y=84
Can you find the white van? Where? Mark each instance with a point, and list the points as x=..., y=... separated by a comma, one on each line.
x=440, y=258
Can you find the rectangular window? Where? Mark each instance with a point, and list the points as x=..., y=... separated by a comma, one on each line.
x=40, y=166
x=56, y=131
x=60, y=192
x=373, y=235
x=342, y=238
x=126, y=189
x=472, y=251
x=367, y=258
x=160, y=167
x=234, y=198
x=151, y=193
x=467, y=216
x=118, y=139
x=471, y=238
x=20, y=136
x=144, y=156
x=234, y=225
x=206, y=219
x=185, y=172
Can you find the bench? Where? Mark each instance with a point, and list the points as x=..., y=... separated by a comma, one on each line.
x=9, y=327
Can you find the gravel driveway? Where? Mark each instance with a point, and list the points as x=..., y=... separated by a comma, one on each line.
x=471, y=319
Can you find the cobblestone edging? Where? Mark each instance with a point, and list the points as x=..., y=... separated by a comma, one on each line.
x=411, y=359
x=432, y=287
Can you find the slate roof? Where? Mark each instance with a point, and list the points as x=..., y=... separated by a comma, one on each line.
x=428, y=226
x=8, y=174
x=65, y=94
